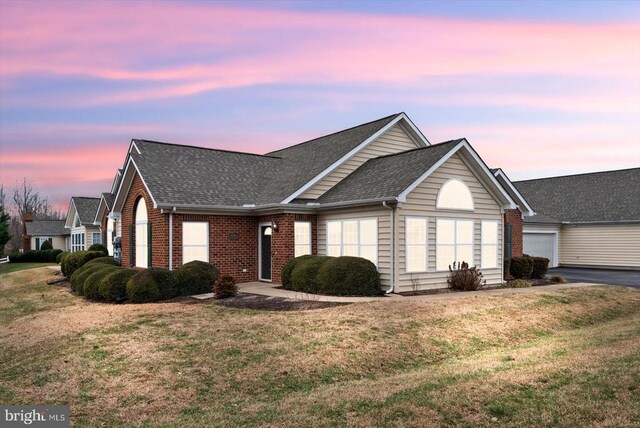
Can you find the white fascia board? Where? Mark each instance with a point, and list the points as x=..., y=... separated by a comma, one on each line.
x=343, y=159
x=116, y=204
x=133, y=146
x=71, y=213
x=529, y=211
x=99, y=211
x=425, y=142
x=115, y=180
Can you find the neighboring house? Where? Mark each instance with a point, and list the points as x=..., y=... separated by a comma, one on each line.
x=379, y=191
x=39, y=231
x=585, y=220
x=80, y=217
x=107, y=225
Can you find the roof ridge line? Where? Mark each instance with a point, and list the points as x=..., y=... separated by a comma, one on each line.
x=336, y=132
x=578, y=174
x=205, y=148
x=417, y=148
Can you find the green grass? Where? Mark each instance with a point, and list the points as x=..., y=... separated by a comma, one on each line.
x=569, y=358
x=15, y=267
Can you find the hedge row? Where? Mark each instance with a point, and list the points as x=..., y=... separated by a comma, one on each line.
x=43, y=256
x=338, y=276
x=102, y=279
x=529, y=267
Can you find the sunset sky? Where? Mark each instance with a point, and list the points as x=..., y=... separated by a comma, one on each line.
x=538, y=88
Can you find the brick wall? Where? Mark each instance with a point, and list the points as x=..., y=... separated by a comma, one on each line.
x=159, y=227
x=514, y=218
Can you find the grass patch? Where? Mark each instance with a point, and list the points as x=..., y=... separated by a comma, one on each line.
x=16, y=267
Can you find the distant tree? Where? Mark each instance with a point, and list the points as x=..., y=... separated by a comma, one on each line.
x=28, y=201
x=5, y=235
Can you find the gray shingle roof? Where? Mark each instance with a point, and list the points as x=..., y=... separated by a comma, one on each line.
x=46, y=228
x=108, y=198
x=86, y=208
x=609, y=196
x=387, y=176
x=186, y=175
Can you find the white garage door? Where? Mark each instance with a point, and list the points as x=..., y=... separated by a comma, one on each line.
x=539, y=245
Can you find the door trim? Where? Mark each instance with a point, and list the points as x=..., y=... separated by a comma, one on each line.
x=260, y=226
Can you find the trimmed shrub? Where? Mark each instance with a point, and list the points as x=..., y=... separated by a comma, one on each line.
x=37, y=256
x=225, y=287
x=557, y=279
x=305, y=275
x=151, y=285
x=46, y=245
x=113, y=287
x=103, y=260
x=195, y=277
x=79, y=277
x=540, y=267
x=521, y=267
x=348, y=276
x=99, y=247
x=462, y=277
x=520, y=283
x=75, y=261
x=91, y=288
x=61, y=256
x=287, y=269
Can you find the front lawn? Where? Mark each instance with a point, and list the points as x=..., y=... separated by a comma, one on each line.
x=15, y=267
x=566, y=358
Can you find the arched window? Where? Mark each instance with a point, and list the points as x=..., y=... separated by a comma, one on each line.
x=455, y=195
x=142, y=238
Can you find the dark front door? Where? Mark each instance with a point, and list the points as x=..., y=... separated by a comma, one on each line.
x=265, y=253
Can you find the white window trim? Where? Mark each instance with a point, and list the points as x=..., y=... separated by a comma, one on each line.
x=310, y=236
x=406, y=243
x=93, y=234
x=455, y=229
x=146, y=244
x=460, y=180
x=482, y=244
x=359, y=245
x=39, y=240
x=199, y=246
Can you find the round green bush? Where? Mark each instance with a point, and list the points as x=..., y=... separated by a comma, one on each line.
x=195, y=277
x=103, y=260
x=225, y=287
x=61, y=256
x=540, y=267
x=46, y=245
x=75, y=261
x=287, y=270
x=151, y=285
x=349, y=276
x=99, y=247
x=305, y=275
x=91, y=287
x=521, y=267
x=520, y=283
x=79, y=277
x=113, y=287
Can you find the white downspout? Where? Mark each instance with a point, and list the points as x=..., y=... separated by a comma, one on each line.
x=171, y=239
x=392, y=245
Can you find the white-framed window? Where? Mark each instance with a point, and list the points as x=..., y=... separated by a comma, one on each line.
x=40, y=241
x=77, y=242
x=76, y=223
x=416, y=241
x=454, y=195
x=195, y=241
x=96, y=238
x=355, y=237
x=302, y=238
x=142, y=240
x=489, y=238
x=454, y=242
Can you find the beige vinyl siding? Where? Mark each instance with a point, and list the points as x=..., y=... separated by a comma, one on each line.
x=89, y=237
x=610, y=245
x=422, y=202
x=395, y=140
x=384, y=235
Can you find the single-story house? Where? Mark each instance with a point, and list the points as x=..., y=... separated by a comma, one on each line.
x=585, y=220
x=379, y=190
x=39, y=231
x=80, y=217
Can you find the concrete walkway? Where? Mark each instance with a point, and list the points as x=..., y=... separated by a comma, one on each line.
x=267, y=289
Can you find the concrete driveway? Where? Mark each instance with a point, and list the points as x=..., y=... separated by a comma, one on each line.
x=629, y=278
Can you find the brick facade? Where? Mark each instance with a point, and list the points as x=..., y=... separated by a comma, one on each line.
x=514, y=218
x=233, y=240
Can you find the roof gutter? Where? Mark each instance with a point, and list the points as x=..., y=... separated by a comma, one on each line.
x=258, y=208
x=392, y=245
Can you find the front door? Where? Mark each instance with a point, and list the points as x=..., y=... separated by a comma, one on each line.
x=265, y=252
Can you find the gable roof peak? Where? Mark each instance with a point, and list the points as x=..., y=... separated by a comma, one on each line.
x=144, y=141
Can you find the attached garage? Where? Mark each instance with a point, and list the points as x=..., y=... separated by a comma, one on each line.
x=541, y=244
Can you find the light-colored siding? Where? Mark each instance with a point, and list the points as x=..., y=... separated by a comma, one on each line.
x=615, y=245
x=395, y=140
x=57, y=242
x=384, y=235
x=90, y=232
x=422, y=202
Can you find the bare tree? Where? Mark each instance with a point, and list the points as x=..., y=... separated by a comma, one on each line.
x=28, y=201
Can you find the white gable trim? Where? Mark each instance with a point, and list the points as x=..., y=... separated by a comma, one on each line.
x=117, y=204
x=115, y=180
x=529, y=211
x=70, y=211
x=336, y=164
x=133, y=146
x=463, y=144
x=101, y=207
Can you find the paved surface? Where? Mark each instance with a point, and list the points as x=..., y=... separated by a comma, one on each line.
x=629, y=278
x=266, y=289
